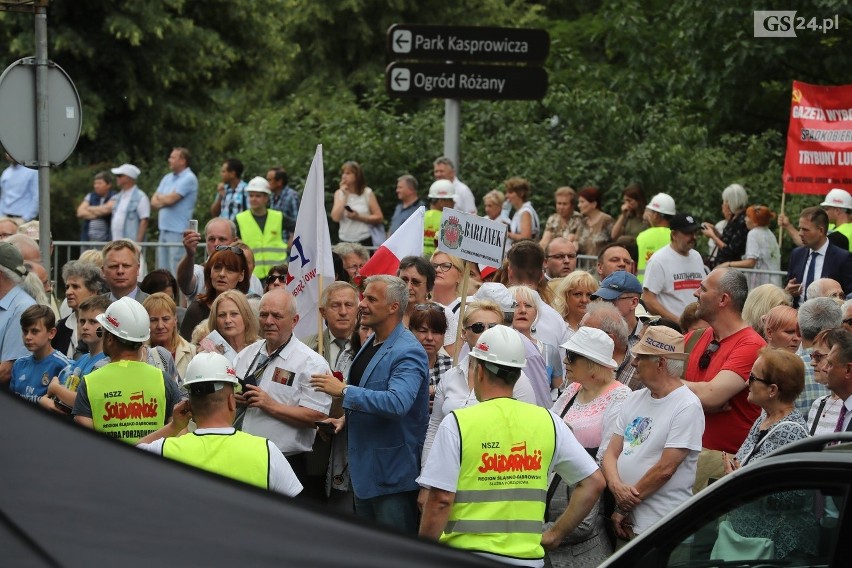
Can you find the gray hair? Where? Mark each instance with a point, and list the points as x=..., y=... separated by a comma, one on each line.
x=611, y=322
x=818, y=288
x=397, y=290
x=12, y=275
x=734, y=283
x=818, y=314
x=334, y=287
x=527, y=294
x=445, y=161
x=89, y=273
x=736, y=196
x=351, y=248
x=845, y=307
x=674, y=367
x=409, y=180
x=31, y=284
x=231, y=225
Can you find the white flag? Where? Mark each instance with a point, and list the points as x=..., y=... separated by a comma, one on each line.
x=310, y=254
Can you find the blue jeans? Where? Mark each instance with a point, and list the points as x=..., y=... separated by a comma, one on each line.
x=169, y=257
x=397, y=511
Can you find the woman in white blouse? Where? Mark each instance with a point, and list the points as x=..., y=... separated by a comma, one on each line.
x=355, y=206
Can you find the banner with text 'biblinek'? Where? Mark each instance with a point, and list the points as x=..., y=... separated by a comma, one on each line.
x=819, y=139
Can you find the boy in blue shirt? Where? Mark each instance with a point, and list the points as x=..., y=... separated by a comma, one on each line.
x=64, y=387
x=32, y=374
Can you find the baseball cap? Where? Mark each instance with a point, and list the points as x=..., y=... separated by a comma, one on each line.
x=128, y=170
x=617, y=284
x=838, y=198
x=661, y=341
x=11, y=258
x=684, y=222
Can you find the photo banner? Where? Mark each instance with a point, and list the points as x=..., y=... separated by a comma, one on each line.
x=819, y=139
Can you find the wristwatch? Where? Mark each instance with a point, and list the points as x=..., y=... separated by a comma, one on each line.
x=343, y=392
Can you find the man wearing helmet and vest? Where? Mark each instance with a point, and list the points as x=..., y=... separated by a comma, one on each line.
x=489, y=465
x=658, y=235
x=261, y=228
x=216, y=446
x=441, y=194
x=126, y=399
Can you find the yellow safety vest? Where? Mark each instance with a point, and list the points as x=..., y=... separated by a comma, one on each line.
x=128, y=400
x=648, y=242
x=268, y=247
x=507, y=447
x=431, y=226
x=239, y=455
x=846, y=230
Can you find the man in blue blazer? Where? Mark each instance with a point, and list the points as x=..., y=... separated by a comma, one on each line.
x=830, y=261
x=386, y=400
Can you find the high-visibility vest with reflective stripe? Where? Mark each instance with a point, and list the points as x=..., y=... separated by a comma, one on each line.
x=128, y=399
x=846, y=230
x=268, y=247
x=506, y=450
x=648, y=242
x=239, y=455
x=431, y=226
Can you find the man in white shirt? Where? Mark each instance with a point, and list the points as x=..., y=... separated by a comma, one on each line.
x=131, y=208
x=464, y=200
x=674, y=272
x=652, y=457
x=275, y=372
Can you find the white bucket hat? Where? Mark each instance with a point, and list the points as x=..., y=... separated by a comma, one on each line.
x=592, y=344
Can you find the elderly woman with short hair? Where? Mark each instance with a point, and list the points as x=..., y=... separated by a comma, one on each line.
x=82, y=280
x=731, y=243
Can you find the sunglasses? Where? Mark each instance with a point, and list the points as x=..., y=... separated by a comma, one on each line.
x=442, y=266
x=273, y=277
x=236, y=250
x=479, y=327
x=704, y=362
x=752, y=378
x=848, y=321
x=425, y=307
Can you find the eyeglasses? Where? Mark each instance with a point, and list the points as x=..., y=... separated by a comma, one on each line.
x=817, y=357
x=479, y=327
x=353, y=267
x=561, y=256
x=273, y=277
x=442, y=266
x=704, y=362
x=425, y=307
x=848, y=321
x=236, y=250
x=412, y=281
x=752, y=378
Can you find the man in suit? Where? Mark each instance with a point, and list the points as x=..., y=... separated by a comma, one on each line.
x=838, y=371
x=121, y=270
x=386, y=402
x=817, y=257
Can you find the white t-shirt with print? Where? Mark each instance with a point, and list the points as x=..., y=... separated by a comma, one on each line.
x=674, y=278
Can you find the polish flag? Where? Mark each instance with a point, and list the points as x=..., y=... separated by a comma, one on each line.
x=405, y=241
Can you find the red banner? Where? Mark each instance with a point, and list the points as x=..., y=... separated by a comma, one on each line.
x=819, y=140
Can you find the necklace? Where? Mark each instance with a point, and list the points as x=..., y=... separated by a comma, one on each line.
x=829, y=408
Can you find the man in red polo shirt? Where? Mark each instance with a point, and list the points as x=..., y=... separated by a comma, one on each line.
x=718, y=369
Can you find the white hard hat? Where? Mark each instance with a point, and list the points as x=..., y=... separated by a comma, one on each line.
x=126, y=319
x=592, y=344
x=442, y=189
x=662, y=203
x=209, y=368
x=258, y=185
x=838, y=198
x=500, y=345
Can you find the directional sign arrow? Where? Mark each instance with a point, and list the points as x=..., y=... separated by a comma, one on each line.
x=400, y=79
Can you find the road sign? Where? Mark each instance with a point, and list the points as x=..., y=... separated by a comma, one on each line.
x=459, y=81
x=465, y=43
x=18, y=113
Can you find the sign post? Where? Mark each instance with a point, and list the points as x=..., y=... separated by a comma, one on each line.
x=473, y=239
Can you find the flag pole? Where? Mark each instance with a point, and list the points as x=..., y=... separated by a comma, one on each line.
x=319, y=321
x=780, y=228
x=460, y=324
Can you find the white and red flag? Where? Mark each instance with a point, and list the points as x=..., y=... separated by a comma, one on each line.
x=310, y=254
x=405, y=241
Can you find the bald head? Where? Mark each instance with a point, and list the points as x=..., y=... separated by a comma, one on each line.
x=28, y=247
x=278, y=317
x=560, y=257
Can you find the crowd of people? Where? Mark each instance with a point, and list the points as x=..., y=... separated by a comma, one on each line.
x=556, y=411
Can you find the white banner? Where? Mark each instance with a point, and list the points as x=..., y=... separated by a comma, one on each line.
x=310, y=254
x=472, y=238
